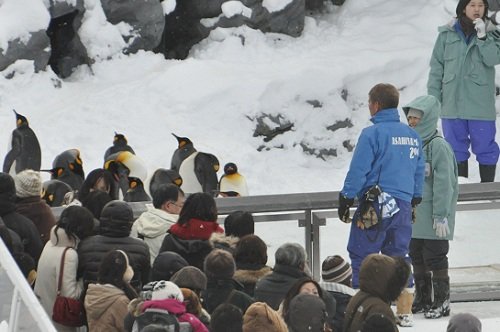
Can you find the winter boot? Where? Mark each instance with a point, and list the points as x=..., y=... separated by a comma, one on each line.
x=441, y=305
x=487, y=173
x=463, y=168
x=423, y=293
x=404, y=316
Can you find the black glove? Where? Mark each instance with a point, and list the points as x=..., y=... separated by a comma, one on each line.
x=344, y=205
x=416, y=201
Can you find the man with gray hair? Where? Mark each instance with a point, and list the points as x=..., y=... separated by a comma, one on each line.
x=290, y=265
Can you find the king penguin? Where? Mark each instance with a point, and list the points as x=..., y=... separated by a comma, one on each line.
x=164, y=176
x=120, y=143
x=232, y=183
x=25, y=150
x=53, y=192
x=124, y=165
x=198, y=170
x=136, y=192
x=68, y=168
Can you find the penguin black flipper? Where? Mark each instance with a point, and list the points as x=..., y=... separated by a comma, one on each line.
x=13, y=154
x=206, y=167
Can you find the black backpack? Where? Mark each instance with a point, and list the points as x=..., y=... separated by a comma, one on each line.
x=156, y=317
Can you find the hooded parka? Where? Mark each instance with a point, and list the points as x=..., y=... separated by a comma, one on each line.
x=462, y=76
x=381, y=280
x=441, y=185
x=152, y=226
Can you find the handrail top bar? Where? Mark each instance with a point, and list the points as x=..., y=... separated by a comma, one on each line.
x=314, y=200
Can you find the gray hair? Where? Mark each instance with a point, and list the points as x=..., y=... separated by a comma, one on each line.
x=291, y=254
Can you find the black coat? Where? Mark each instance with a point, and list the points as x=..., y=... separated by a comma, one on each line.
x=92, y=250
x=193, y=251
x=24, y=227
x=272, y=288
x=225, y=291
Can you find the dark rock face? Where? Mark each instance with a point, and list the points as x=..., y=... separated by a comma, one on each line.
x=145, y=17
x=36, y=49
x=263, y=129
x=67, y=52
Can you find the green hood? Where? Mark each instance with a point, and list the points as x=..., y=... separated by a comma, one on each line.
x=431, y=107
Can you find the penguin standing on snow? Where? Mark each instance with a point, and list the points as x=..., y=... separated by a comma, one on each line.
x=68, y=168
x=164, y=176
x=25, y=150
x=232, y=183
x=198, y=170
x=120, y=143
x=53, y=192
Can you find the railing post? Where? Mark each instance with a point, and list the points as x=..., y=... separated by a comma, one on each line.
x=316, y=223
x=308, y=237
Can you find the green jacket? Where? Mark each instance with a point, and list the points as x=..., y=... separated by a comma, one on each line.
x=440, y=193
x=462, y=76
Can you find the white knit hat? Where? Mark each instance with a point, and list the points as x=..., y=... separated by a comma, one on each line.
x=28, y=183
x=166, y=290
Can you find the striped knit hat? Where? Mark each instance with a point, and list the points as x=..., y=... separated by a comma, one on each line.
x=336, y=269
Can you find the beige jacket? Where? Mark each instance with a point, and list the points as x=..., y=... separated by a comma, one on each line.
x=106, y=307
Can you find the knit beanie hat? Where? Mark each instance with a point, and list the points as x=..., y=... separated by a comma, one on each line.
x=261, y=317
x=190, y=277
x=28, y=183
x=378, y=323
x=219, y=264
x=116, y=217
x=336, y=269
x=464, y=322
x=163, y=290
x=307, y=313
x=166, y=264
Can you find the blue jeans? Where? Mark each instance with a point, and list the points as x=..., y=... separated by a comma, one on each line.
x=477, y=134
x=390, y=237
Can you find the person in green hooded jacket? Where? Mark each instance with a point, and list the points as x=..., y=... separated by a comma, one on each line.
x=435, y=216
x=462, y=78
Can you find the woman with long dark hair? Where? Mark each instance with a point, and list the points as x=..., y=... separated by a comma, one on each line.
x=75, y=224
x=106, y=301
x=189, y=237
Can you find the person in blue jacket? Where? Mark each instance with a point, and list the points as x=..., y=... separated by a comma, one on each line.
x=462, y=78
x=388, y=154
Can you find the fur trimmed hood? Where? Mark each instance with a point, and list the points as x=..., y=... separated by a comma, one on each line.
x=251, y=276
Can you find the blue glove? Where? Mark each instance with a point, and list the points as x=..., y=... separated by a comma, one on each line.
x=441, y=227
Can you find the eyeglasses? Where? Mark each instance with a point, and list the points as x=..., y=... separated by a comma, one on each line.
x=178, y=205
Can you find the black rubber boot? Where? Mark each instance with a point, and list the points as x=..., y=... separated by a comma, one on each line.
x=423, y=293
x=441, y=305
x=487, y=173
x=463, y=168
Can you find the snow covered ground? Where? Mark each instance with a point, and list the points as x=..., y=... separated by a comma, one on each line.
x=212, y=96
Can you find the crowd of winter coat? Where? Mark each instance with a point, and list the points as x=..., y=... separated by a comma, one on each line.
x=175, y=266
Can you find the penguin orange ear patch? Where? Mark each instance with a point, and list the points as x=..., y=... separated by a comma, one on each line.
x=216, y=168
x=51, y=197
x=182, y=143
x=59, y=172
x=19, y=122
x=71, y=166
x=133, y=184
x=178, y=182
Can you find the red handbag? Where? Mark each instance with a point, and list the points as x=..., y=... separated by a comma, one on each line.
x=66, y=311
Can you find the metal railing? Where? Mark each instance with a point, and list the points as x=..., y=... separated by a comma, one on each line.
x=311, y=210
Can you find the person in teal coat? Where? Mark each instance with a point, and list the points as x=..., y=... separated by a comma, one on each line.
x=462, y=78
x=435, y=216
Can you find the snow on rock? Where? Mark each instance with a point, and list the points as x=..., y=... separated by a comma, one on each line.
x=232, y=8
